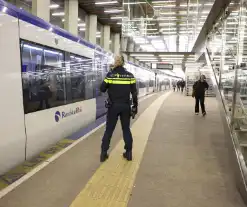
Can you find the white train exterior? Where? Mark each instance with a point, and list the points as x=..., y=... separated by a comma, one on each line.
x=50, y=84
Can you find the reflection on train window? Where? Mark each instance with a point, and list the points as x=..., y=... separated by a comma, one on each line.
x=50, y=81
x=102, y=67
x=82, y=78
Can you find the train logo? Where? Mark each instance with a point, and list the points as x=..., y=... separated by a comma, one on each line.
x=57, y=116
x=61, y=115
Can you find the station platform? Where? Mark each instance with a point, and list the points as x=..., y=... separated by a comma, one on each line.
x=179, y=160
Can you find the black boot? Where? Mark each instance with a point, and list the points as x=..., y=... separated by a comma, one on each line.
x=128, y=155
x=103, y=156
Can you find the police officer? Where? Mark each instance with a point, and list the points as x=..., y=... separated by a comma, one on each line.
x=119, y=83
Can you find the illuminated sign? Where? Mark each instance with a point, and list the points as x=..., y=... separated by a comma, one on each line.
x=163, y=66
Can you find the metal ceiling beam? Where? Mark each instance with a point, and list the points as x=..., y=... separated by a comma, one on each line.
x=217, y=10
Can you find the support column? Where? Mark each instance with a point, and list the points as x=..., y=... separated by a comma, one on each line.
x=105, y=37
x=126, y=58
x=116, y=44
x=124, y=43
x=131, y=47
x=41, y=9
x=71, y=16
x=91, y=28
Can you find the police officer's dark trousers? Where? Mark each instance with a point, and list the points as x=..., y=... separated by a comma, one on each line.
x=115, y=111
x=200, y=99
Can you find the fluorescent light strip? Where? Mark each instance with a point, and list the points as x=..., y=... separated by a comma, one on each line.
x=58, y=14
x=134, y=3
x=54, y=6
x=114, y=11
x=167, y=24
x=149, y=29
x=168, y=13
x=106, y=2
x=82, y=25
x=148, y=60
x=141, y=55
x=166, y=18
x=158, y=2
x=151, y=24
x=190, y=5
x=165, y=6
x=63, y=20
x=116, y=17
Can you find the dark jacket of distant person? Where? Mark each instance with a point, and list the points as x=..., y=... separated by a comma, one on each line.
x=200, y=87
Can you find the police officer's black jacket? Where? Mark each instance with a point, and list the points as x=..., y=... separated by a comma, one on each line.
x=199, y=88
x=120, y=84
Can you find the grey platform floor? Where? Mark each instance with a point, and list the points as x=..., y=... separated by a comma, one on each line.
x=59, y=183
x=185, y=164
x=186, y=160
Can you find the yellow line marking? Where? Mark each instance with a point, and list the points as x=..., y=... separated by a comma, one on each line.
x=112, y=183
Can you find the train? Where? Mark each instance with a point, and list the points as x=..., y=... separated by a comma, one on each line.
x=50, y=84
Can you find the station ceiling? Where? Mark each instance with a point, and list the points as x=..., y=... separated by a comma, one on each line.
x=156, y=25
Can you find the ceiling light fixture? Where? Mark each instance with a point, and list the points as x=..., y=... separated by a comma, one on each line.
x=148, y=24
x=58, y=14
x=106, y=2
x=189, y=5
x=166, y=18
x=114, y=11
x=134, y=3
x=165, y=6
x=142, y=55
x=168, y=13
x=82, y=25
x=54, y=6
x=149, y=29
x=116, y=17
x=63, y=20
x=158, y=2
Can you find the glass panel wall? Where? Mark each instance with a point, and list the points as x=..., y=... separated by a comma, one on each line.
x=227, y=51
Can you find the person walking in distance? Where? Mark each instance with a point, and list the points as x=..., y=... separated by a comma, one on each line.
x=174, y=86
x=178, y=86
x=120, y=84
x=182, y=85
x=199, y=89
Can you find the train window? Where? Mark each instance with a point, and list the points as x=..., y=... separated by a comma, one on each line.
x=54, y=78
x=31, y=76
x=80, y=78
x=43, y=77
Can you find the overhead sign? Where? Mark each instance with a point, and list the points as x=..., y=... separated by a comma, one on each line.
x=164, y=66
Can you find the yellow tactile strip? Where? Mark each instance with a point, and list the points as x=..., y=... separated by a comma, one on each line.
x=112, y=183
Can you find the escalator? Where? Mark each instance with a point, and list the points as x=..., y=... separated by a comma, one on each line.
x=231, y=93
